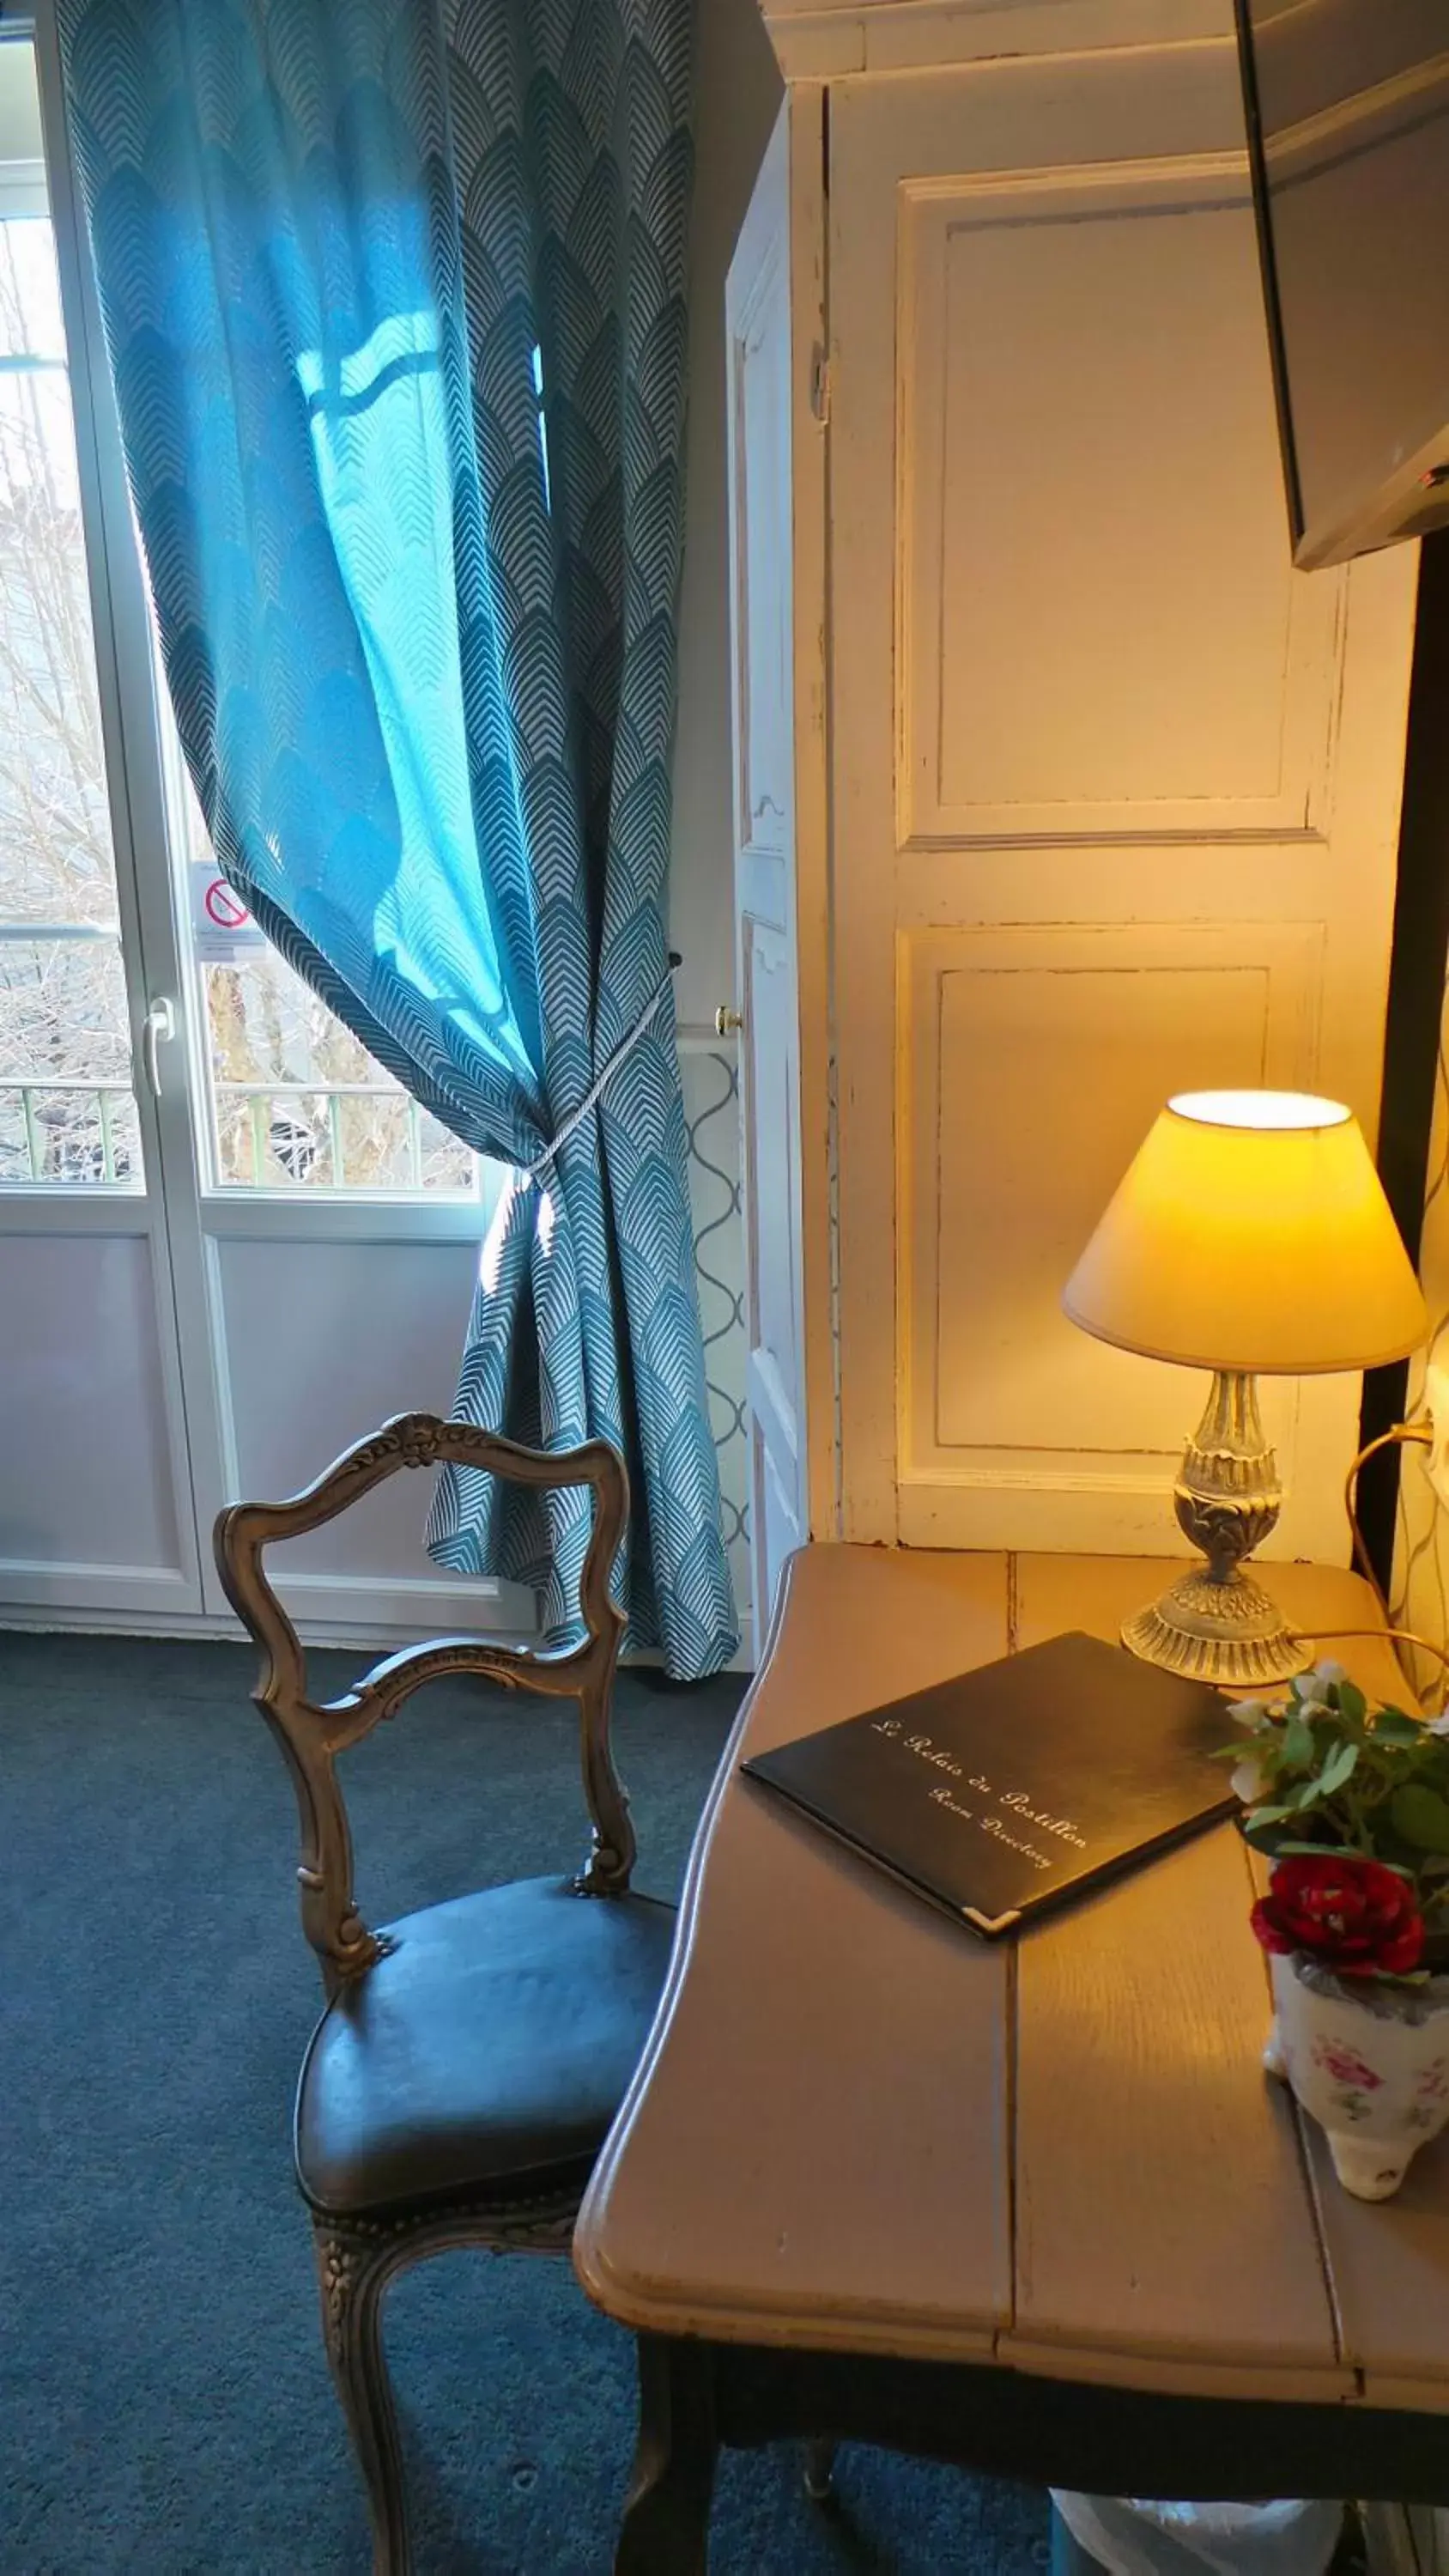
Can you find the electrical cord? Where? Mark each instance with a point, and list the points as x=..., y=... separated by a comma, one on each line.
x=1402, y=1434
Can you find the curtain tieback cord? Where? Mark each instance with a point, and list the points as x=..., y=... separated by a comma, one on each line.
x=591, y=1098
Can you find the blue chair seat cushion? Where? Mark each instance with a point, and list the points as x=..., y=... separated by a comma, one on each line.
x=488, y=2049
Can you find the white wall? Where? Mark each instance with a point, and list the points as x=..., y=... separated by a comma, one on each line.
x=739, y=95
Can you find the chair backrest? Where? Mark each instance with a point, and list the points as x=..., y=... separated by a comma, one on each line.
x=311, y=1734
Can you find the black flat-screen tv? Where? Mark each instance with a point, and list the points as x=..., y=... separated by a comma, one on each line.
x=1348, y=133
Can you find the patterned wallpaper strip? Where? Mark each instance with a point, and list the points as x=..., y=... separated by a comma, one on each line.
x=710, y=1074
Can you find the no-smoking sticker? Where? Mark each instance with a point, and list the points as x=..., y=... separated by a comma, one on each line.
x=221, y=926
x=224, y=905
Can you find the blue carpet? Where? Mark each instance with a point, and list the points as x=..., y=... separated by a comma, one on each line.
x=164, y=2403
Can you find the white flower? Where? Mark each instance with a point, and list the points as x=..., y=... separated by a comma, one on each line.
x=1249, y=1712
x=1310, y=1690
x=1247, y=1781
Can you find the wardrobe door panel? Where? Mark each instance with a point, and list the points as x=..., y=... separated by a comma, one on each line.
x=1115, y=788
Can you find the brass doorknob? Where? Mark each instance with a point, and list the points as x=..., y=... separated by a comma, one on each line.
x=727, y=1019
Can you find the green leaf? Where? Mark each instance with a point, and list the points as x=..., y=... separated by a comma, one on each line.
x=1257, y=1818
x=1299, y=1749
x=1309, y=1793
x=1337, y=1769
x=1351, y=1703
x=1392, y=1726
x=1421, y=1816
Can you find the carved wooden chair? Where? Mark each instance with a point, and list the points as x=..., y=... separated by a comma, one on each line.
x=470, y=2057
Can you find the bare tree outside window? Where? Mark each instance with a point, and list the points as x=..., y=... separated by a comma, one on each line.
x=67, y=1110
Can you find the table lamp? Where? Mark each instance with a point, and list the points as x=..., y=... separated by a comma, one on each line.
x=1250, y=1234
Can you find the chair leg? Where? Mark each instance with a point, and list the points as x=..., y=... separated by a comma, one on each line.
x=820, y=2468
x=352, y=2273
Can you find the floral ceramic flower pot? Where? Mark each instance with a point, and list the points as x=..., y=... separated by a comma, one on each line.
x=1369, y=2061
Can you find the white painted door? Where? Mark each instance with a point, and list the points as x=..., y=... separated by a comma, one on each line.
x=763, y=309
x=229, y=1245
x=1116, y=790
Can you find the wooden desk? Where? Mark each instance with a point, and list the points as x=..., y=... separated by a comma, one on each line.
x=1007, y=2205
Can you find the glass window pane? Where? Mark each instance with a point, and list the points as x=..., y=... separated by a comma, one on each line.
x=56, y=861
x=30, y=318
x=274, y=1140
x=67, y=1112
x=63, y=1010
x=297, y=1102
x=123, y=1129
x=447, y=1162
x=268, y=1026
x=14, y=1141
x=238, y=1156
x=374, y=1136
x=298, y=1140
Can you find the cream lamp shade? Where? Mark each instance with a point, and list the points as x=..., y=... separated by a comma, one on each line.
x=1251, y=1233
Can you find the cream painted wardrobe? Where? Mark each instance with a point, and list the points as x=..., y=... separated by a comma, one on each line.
x=1057, y=789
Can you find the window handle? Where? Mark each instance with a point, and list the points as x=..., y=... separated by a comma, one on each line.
x=157, y=1030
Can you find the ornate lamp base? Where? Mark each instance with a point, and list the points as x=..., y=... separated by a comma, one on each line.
x=1215, y=1623
x=1230, y=1633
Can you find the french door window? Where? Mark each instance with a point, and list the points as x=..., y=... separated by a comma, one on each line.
x=230, y=1243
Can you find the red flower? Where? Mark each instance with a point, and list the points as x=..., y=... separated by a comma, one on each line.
x=1355, y=1915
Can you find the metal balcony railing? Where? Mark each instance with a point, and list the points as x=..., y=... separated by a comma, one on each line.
x=46, y=1141
x=265, y=1102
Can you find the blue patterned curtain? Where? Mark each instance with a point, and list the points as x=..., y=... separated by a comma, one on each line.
x=393, y=292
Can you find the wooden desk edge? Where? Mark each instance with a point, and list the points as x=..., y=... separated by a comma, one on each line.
x=1174, y=2374
x=631, y=2304
x=852, y=2330
x=1418, y=2396
x=622, y=2298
